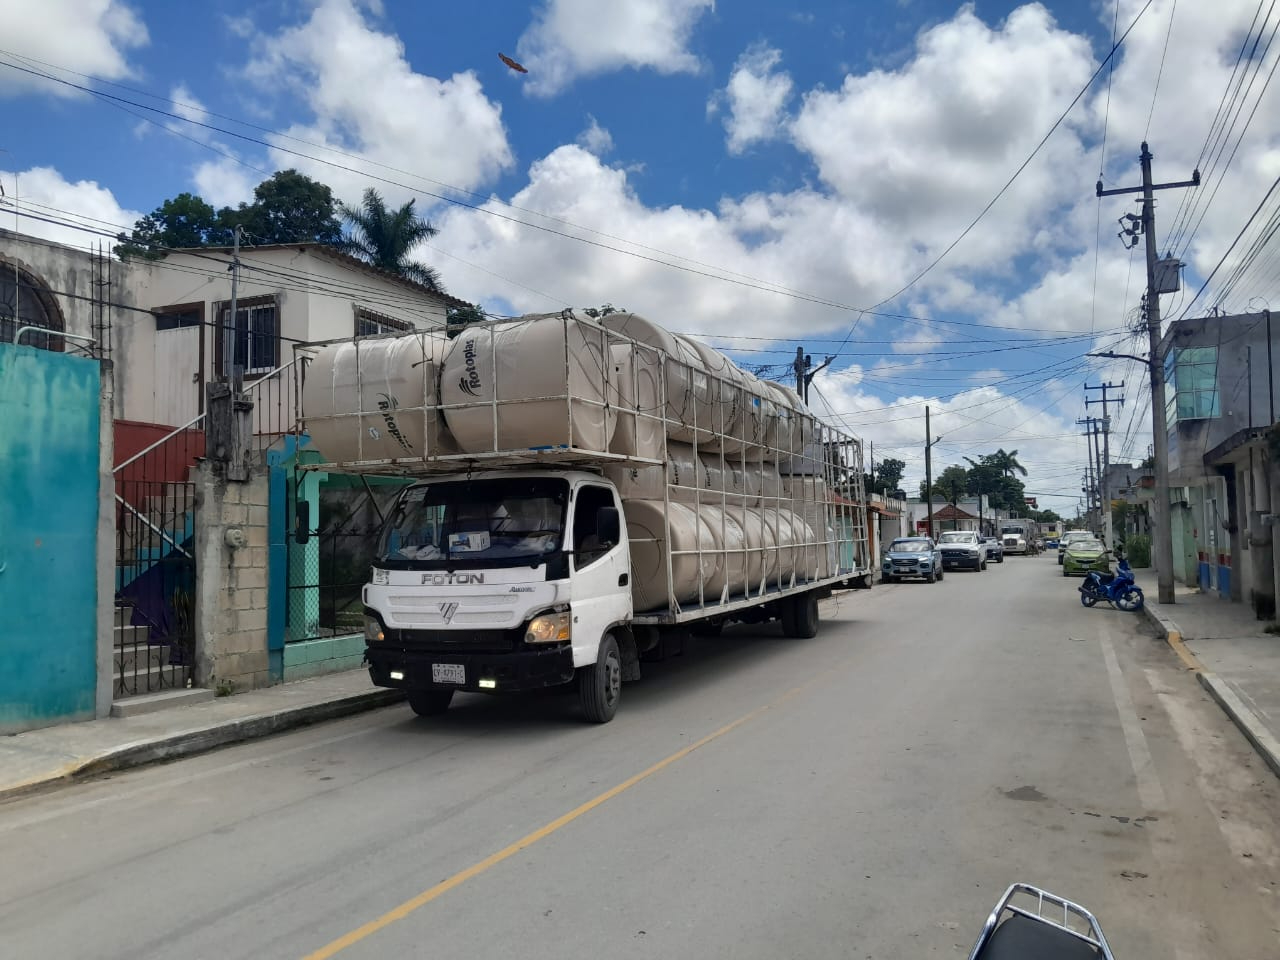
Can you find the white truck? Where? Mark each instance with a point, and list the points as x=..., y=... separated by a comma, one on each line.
x=583, y=490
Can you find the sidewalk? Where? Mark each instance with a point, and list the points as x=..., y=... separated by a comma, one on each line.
x=40, y=758
x=1235, y=659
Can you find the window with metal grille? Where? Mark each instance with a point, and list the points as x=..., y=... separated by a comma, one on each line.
x=179, y=316
x=252, y=341
x=26, y=302
x=370, y=324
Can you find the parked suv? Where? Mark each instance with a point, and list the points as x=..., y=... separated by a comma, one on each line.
x=962, y=548
x=911, y=557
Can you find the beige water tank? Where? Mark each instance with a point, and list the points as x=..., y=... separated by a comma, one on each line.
x=648, y=523
x=682, y=369
x=758, y=523
x=727, y=388
x=752, y=525
x=552, y=376
x=636, y=393
x=376, y=400
x=770, y=484
x=731, y=541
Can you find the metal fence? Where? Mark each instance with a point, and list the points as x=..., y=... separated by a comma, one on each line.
x=154, y=630
x=327, y=573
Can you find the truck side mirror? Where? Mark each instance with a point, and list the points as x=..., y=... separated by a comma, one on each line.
x=608, y=526
x=302, y=521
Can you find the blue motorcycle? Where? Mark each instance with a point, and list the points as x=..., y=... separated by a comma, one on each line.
x=1118, y=588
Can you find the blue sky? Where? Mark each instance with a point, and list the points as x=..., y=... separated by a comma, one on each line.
x=833, y=149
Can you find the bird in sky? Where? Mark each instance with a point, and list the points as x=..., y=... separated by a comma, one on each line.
x=517, y=67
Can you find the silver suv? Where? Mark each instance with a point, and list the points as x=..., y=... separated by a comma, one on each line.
x=911, y=557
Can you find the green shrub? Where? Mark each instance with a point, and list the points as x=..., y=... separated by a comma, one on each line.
x=1138, y=549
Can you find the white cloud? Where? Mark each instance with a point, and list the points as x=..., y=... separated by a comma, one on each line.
x=926, y=146
x=366, y=99
x=225, y=183
x=187, y=106
x=569, y=39
x=44, y=192
x=89, y=36
x=596, y=139
x=757, y=94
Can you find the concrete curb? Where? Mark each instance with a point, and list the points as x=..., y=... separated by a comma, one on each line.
x=1250, y=724
x=203, y=739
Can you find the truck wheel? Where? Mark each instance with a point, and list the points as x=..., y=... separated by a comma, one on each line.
x=800, y=616
x=429, y=703
x=600, y=684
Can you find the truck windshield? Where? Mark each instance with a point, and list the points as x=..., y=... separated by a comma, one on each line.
x=496, y=522
x=959, y=536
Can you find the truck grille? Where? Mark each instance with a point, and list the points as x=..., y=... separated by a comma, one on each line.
x=443, y=641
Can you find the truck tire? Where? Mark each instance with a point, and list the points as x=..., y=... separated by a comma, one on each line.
x=600, y=684
x=429, y=703
x=800, y=616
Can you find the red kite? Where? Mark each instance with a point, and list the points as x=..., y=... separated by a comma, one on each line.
x=517, y=67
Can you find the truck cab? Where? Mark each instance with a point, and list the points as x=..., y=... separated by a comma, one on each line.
x=500, y=581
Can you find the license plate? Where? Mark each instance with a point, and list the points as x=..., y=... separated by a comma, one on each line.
x=448, y=673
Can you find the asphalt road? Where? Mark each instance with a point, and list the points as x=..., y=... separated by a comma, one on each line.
x=867, y=793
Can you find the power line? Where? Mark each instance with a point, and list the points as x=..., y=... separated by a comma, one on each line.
x=1000, y=193
x=1173, y=7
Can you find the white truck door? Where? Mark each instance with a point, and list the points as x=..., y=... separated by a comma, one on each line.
x=601, y=579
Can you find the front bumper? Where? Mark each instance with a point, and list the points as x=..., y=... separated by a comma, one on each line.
x=531, y=669
x=915, y=570
x=1079, y=568
x=972, y=560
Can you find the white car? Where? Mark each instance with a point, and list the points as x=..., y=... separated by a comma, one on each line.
x=962, y=548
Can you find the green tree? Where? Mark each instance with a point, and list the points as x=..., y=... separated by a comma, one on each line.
x=183, y=221
x=950, y=485
x=458, y=317
x=1007, y=463
x=288, y=207
x=888, y=476
x=385, y=238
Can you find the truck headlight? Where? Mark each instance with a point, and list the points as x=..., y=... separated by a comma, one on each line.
x=549, y=628
x=381, y=577
x=373, y=630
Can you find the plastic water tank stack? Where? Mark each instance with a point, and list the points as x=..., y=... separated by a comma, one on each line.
x=376, y=400
x=536, y=382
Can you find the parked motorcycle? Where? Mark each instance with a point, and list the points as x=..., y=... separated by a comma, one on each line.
x=1032, y=924
x=1118, y=589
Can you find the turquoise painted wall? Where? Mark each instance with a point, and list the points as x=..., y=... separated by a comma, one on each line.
x=49, y=460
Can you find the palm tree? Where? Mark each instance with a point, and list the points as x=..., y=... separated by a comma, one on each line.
x=384, y=238
x=1007, y=463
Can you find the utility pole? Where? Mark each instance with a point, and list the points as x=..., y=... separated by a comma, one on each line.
x=804, y=373
x=1089, y=485
x=929, y=441
x=1155, y=369
x=1109, y=531
x=237, y=372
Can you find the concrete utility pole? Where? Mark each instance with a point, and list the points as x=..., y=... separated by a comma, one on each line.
x=804, y=373
x=1106, y=451
x=1090, y=482
x=1163, y=535
x=237, y=372
x=928, y=469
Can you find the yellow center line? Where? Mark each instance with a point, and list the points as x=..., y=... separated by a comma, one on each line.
x=444, y=886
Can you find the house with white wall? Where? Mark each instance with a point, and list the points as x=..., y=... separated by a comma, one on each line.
x=286, y=294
